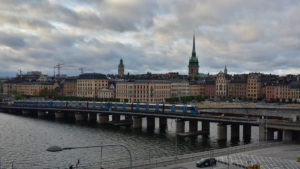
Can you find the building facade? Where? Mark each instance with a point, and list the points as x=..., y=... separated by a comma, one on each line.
x=222, y=81
x=179, y=88
x=70, y=87
x=107, y=93
x=89, y=84
x=254, y=86
x=34, y=88
x=237, y=87
x=146, y=91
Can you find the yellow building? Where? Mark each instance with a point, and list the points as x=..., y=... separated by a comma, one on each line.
x=179, y=88
x=34, y=88
x=146, y=91
x=107, y=93
x=9, y=88
x=195, y=89
x=89, y=84
x=70, y=87
x=254, y=86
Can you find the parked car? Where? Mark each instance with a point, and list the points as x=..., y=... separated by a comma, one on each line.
x=206, y=162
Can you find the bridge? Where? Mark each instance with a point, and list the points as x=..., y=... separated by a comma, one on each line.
x=271, y=119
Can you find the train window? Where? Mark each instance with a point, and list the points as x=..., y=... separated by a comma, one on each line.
x=124, y=106
x=157, y=107
x=173, y=108
x=116, y=105
x=184, y=109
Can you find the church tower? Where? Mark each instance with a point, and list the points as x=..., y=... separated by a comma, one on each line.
x=225, y=70
x=121, y=68
x=193, y=63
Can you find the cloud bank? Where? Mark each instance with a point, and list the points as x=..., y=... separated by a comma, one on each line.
x=150, y=36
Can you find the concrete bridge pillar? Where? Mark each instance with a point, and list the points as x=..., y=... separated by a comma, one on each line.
x=80, y=116
x=26, y=112
x=128, y=117
x=59, y=115
x=279, y=135
x=102, y=118
x=270, y=134
x=287, y=136
x=162, y=123
x=137, y=122
x=235, y=132
x=92, y=117
x=193, y=126
x=180, y=125
x=205, y=127
x=116, y=117
x=247, y=132
x=41, y=114
x=262, y=132
x=150, y=123
x=222, y=131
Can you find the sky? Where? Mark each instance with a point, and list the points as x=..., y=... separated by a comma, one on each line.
x=149, y=35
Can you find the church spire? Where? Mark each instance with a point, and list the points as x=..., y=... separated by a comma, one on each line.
x=194, y=50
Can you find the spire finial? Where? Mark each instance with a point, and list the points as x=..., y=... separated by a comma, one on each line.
x=194, y=50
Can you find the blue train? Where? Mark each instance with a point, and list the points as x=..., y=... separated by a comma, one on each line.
x=113, y=106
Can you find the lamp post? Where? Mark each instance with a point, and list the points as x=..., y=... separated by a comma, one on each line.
x=58, y=148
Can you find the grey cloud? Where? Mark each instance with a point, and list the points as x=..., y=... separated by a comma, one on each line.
x=151, y=35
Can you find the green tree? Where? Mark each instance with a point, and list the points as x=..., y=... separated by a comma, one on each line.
x=18, y=95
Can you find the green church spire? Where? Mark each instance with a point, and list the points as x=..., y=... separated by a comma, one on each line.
x=194, y=50
x=194, y=60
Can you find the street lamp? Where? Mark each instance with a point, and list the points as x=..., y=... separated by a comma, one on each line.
x=58, y=148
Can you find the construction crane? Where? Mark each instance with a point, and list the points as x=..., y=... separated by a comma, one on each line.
x=82, y=69
x=58, y=67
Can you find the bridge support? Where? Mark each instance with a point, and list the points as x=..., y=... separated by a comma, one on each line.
x=59, y=115
x=137, y=122
x=80, y=116
x=26, y=112
x=92, y=117
x=116, y=118
x=102, y=118
x=270, y=134
x=235, y=132
x=180, y=125
x=162, y=123
x=193, y=126
x=41, y=114
x=205, y=127
x=247, y=132
x=262, y=132
x=128, y=117
x=279, y=135
x=287, y=136
x=222, y=131
x=150, y=123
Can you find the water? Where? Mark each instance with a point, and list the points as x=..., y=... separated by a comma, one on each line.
x=24, y=140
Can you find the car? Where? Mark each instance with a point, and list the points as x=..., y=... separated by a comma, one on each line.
x=206, y=162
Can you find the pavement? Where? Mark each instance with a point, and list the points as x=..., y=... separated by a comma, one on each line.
x=278, y=157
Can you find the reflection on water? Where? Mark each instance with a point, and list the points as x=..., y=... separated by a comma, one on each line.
x=24, y=140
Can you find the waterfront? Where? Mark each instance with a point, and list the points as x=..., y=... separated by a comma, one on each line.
x=24, y=140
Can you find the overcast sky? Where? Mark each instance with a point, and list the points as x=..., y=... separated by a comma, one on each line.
x=150, y=35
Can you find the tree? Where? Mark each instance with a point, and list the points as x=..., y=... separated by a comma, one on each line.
x=45, y=92
x=18, y=95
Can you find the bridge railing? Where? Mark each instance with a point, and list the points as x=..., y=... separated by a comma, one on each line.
x=158, y=162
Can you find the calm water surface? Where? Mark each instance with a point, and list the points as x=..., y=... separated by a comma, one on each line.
x=24, y=140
